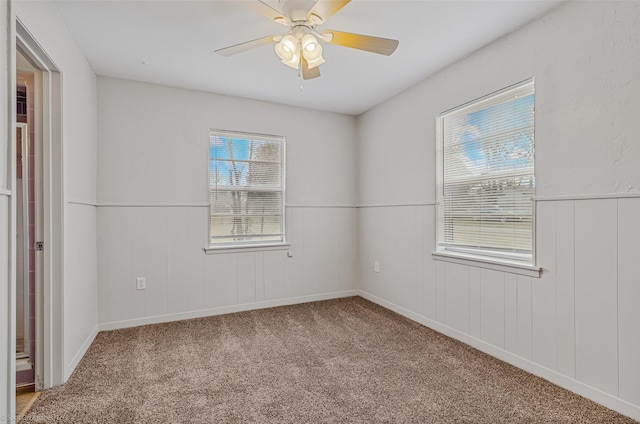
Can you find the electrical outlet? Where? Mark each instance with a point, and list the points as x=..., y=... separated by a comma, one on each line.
x=376, y=266
x=141, y=283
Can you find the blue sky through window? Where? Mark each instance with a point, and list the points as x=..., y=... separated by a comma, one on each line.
x=484, y=126
x=220, y=163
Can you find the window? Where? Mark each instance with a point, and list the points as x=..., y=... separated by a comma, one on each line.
x=486, y=176
x=246, y=189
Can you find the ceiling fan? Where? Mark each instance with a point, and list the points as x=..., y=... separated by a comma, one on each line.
x=299, y=47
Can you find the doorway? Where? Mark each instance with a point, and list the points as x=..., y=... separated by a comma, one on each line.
x=25, y=222
x=44, y=136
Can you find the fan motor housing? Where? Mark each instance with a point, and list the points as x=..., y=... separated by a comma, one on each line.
x=296, y=10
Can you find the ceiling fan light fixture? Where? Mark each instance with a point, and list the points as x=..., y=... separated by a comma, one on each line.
x=311, y=50
x=287, y=48
x=301, y=47
x=310, y=45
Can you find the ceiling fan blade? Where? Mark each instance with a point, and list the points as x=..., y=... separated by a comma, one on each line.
x=247, y=45
x=327, y=8
x=269, y=12
x=307, y=73
x=367, y=43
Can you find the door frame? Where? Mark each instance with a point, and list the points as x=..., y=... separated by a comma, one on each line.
x=49, y=189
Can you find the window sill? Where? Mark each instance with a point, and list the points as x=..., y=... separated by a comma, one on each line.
x=488, y=263
x=246, y=248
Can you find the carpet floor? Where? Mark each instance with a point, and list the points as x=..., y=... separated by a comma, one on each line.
x=338, y=361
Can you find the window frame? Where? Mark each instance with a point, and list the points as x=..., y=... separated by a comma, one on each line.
x=490, y=258
x=248, y=246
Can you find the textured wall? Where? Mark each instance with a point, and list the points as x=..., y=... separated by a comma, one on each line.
x=585, y=59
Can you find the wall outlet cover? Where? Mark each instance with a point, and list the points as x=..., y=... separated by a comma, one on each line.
x=141, y=283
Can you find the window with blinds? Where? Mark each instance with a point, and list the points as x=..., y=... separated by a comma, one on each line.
x=486, y=176
x=246, y=189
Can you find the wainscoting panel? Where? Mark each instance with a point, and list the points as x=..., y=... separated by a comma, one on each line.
x=565, y=286
x=428, y=283
x=178, y=259
x=456, y=289
x=296, y=283
x=511, y=312
x=441, y=278
x=629, y=298
x=196, y=281
x=475, y=303
x=165, y=245
x=119, y=266
x=544, y=309
x=391, y=268
x=409, y=252
x=103, y=265
x=523, y=309
x=156, y=252
x=310, y=279
x=492, y=307
x=247, y=281
x=223, y=277
x=274, y=275
x=338, y=248
x=577, y=324
x=137, y=241
x=596, y=294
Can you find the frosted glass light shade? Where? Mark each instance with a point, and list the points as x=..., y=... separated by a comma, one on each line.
x=312, y=51
x=294, y=62
x=315, y=62
x=287, y=47
x=287, y=50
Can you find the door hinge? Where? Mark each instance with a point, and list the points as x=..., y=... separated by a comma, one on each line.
x=39, y=245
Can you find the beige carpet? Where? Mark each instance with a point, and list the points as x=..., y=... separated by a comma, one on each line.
x=339, y=361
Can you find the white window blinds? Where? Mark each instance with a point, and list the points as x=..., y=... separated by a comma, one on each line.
x=246, y=189
x=486, y=175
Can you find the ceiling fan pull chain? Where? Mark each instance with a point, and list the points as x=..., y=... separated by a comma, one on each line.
x=301, y=79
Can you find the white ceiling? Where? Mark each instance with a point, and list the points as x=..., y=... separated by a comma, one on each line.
x=172, y=42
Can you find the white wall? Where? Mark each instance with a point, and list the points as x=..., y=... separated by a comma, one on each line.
x=79, y=147
x=578, y=324
x=153, y=194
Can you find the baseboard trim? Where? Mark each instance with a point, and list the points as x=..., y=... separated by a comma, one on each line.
x=554, y=377
x=80, y=354
x=115, y=325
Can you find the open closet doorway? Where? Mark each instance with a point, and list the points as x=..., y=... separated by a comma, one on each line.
x=39, y=234
x=25, y=222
